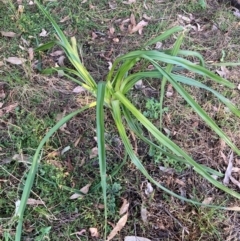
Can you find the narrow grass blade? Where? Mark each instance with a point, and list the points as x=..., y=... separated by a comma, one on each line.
x=45, y=46
x=195, y=83
x=194, y=54
x=114, y=172
x=174, y=51
x=34, y=167
x=101, y=147
x=189, y=53
x=171, y=145
x=165, y=35
x=136, y=161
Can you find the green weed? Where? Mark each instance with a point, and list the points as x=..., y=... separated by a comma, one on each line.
x=111, y=94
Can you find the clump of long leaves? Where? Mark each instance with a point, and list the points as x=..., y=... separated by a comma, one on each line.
x=111, y=94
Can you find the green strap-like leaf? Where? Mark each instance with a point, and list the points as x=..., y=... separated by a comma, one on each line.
x=166, y=34
x=174, y=51
x=34, y=167
x=137, y=130
x=171, y=145
x=207, y=119
x=71, y=51
x=188, y=65
x=133, y=78
x=134, y=159
x=101, y=146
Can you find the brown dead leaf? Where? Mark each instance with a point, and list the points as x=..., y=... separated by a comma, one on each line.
x=78, y=89
x=169, y=91
x=8, y=34
x=158, y=45
x=77, y=141
x=20, y=158
x=64, y=126
x=94, y=232
x=236, y=13
x=229, y=170
x=69, y=165
x=110, y=65
x=30, y=54
x=184, y=19
x=1, y=63
x=80, y=232
x=93, y=153
x=94, y=36
x=55, y=163
x=123, y=24
x=92, y=6
x=234, y=181
x=53, y=154
x=8, y=109
x=61, y=60
x=167, y=170
x=139, y=27
x=233, y=208
x=25, y=42
x=180, y=182
x=124, y=207
x=132, y=20
x=235, y=169
x=224, y=72
x=129, y=2
x=145, y=16
x=112, y=4
x=44, y=33
x=126, y=21
x=207, y=200
x=121, y=223
x=148, y=189
x=66, y=18
x=139, y=85
x=57, y=53
x=115, y=40
x=2, y=94
x=144, y=213
x=135, y=238
x=15, y=60
x=32, y=201
x=100, y=206
x=111, y=31
x=20, y=9
x=84, y=190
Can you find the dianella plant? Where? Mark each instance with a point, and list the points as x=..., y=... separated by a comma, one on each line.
x=111, y=95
